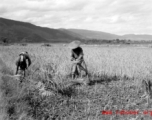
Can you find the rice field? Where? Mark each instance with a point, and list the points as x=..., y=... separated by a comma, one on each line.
x=116, y=73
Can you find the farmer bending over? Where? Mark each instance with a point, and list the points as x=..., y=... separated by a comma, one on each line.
x=23, y=62
x=78, y=62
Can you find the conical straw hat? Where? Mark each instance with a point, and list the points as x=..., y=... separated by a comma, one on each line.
x=74, y=44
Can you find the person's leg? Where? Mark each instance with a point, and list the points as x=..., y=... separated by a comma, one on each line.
x=24, y=68
x=78, y=70
x=83, y=67
x=17, y=68
x=73, y=70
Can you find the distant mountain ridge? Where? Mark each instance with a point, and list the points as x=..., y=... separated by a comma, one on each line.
x=90, y=34
x=17, y=31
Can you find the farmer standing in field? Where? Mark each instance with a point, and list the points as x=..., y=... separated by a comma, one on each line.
x=23, y=62
x=78, y=62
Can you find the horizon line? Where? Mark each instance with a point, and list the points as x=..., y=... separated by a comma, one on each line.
x=76, y=28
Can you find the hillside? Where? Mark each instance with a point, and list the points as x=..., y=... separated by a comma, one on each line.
x=17, y=31
x=94, y=34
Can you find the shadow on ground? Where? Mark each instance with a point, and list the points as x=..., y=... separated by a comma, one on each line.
x=69, y=88
x=105, y=79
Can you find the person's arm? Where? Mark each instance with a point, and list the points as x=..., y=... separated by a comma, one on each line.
x=17, y=66
x=72, y=56
x=80, y=56
x=29, y=61
x=17, y=70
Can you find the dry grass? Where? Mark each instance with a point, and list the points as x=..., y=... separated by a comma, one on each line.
x=115, y=72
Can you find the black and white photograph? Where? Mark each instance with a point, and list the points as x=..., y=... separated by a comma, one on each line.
x=75, y=59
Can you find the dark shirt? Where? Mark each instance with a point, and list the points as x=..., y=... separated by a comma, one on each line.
x=77, y=52
x=26, y=57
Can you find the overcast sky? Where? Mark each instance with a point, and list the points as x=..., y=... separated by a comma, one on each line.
x=113, y=16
